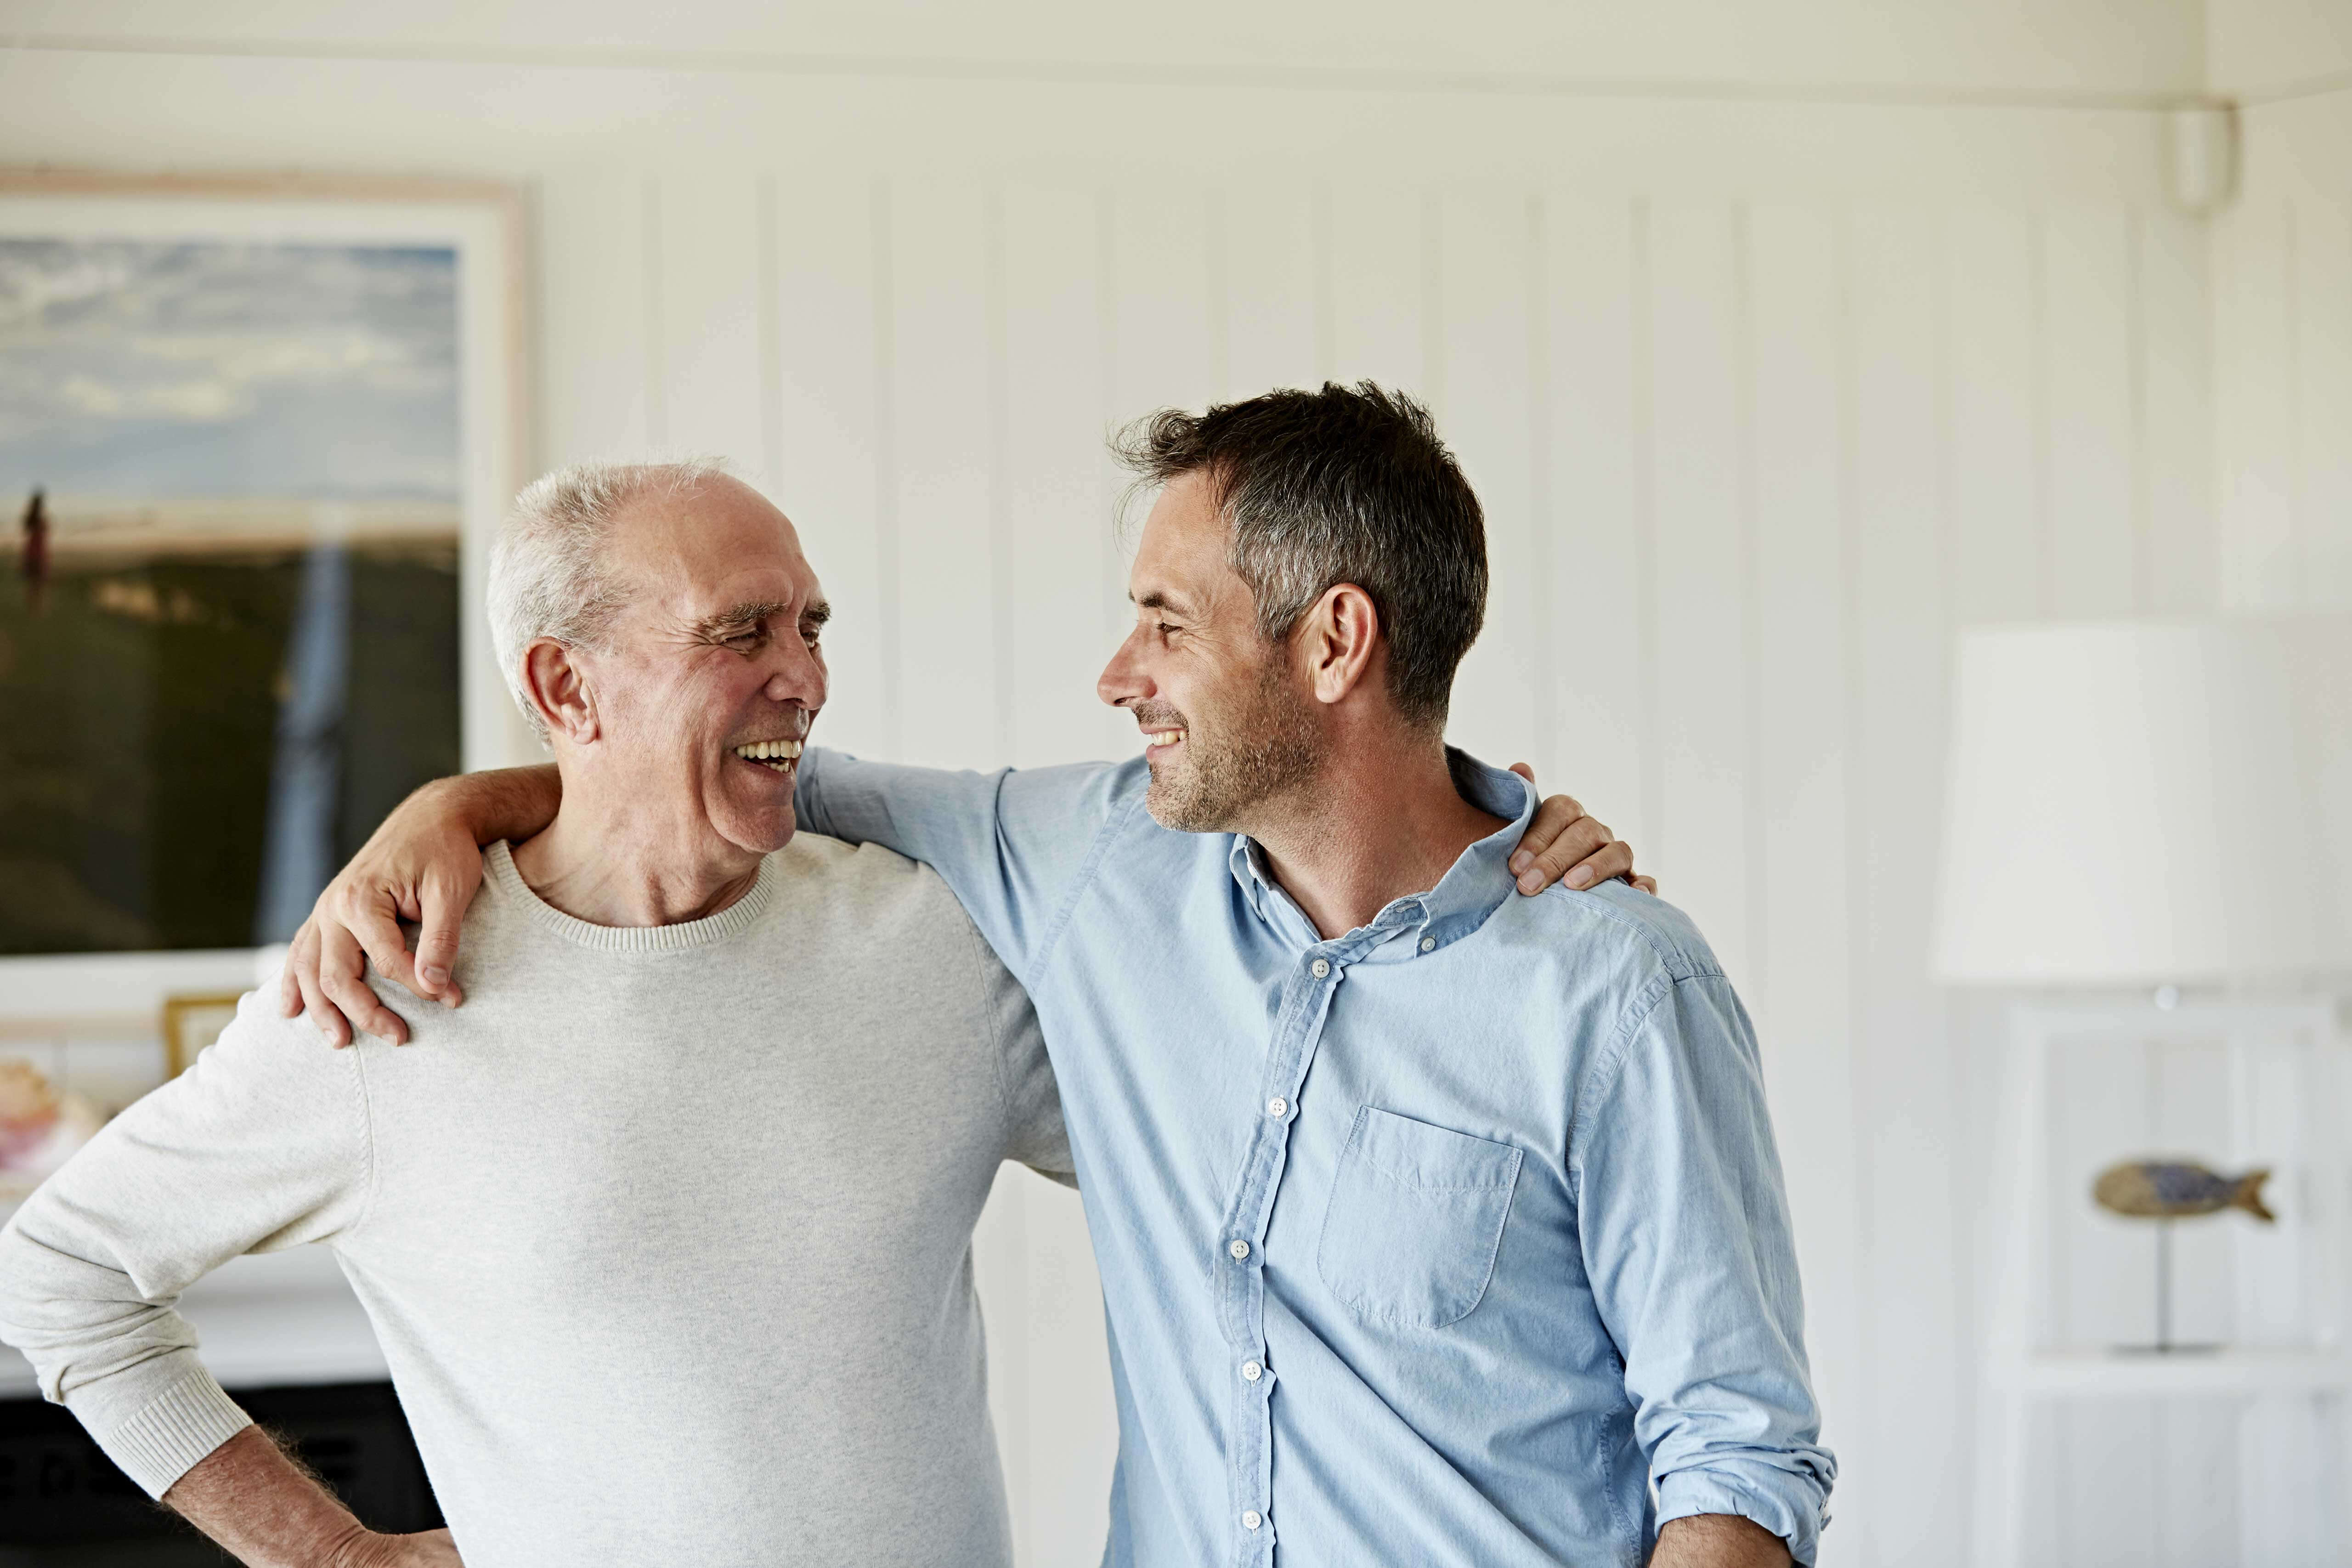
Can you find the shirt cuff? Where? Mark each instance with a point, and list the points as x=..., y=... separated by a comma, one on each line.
x=1686, y=1494
x=172, y=1432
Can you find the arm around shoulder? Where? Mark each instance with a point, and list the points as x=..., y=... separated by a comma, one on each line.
x=1012, y=846
x=423, y=863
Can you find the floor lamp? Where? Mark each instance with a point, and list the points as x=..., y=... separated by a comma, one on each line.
x=2137, y=841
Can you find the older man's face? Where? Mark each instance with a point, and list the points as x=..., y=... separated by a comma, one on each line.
x=715, y=671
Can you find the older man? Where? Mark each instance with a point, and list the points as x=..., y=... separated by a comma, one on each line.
x=1435, y=1225
x=666, y=1235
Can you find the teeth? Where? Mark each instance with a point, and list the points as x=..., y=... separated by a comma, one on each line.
x=1162, y=737
x=782, y=752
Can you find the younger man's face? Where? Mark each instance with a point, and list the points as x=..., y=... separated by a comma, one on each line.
x=1227, y=720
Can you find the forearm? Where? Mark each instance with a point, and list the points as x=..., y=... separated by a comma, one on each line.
x=265, y=1511
x=513, y=803
x=1718, y=1541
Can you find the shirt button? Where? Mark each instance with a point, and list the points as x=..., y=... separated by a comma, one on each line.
x=1252, y=1518
x=1428, y=944
x=1240, y=1249
x=1277, y=1105
x=1252, y=1372
x=1320, y=968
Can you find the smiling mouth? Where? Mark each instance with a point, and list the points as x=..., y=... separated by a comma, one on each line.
x=1160, y=739
x=776, y=756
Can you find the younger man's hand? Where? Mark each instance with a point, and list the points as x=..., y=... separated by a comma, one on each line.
x=422, y=865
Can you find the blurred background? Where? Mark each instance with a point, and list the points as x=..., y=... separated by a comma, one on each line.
x=1787, y=343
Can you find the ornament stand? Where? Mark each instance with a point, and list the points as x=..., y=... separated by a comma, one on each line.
x=2288, y=1366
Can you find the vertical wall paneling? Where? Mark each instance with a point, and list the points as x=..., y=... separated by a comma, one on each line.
x=1002, y=596
x=2323, y=451
x=1482, y=263
x=1996, y=501
x=1269, y=285
x=771, y=338
x=2089, y=273
x=1378, y=256
x=708, y=315
x=941, y=427
x=829, y=439
x=1907, y=1105
x=2175, y=350
x=593, y=312
x=1157, y=276
x=1802, y=994
x=1594, y=593
x=1699, y=601
x=1161, y=245
x=2257, y=408
x=1059, y=499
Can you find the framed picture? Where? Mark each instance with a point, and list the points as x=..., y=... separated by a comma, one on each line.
x=254, y=436
x=192, y=1022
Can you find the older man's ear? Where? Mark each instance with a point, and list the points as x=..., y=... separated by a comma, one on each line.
x=559, y=689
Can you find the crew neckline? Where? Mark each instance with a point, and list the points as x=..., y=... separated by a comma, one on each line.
x=736, y=918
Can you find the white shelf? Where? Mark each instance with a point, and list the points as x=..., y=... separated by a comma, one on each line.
x=2098, y=1373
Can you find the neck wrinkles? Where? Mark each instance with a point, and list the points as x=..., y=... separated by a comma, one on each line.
x=627, y=868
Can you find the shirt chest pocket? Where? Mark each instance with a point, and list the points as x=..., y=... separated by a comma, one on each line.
x=1415, y=1217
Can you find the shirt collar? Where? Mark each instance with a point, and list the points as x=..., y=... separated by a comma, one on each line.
x=1471, y=889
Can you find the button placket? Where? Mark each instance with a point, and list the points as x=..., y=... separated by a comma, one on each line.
x=1299, y=1032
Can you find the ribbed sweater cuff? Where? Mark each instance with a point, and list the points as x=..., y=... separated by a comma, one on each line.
x=178, y=1428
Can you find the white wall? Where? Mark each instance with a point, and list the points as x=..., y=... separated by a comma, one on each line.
x=1779, y=344
x=2283, y=307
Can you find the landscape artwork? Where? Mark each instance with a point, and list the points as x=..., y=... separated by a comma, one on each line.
x=230, y=475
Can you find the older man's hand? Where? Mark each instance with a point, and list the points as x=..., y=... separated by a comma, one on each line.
x=428, y=1549
x=1564, y=845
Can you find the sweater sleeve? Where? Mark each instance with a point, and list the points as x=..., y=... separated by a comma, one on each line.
x=1033, y=1133
x=261, y=1144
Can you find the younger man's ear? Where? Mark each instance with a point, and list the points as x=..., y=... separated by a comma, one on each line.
x=1342, y=632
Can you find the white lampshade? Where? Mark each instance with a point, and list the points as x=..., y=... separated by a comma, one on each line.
x=2138, y=803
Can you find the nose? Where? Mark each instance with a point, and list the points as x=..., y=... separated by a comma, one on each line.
x=797, y=673
x=1123, y=680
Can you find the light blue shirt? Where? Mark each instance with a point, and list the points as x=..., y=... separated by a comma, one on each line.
x=1434, y=1243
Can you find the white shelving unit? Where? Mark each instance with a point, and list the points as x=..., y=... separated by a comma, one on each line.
x=2287, y=1362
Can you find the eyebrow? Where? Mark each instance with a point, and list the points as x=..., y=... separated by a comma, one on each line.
x=1160, y=599
x=751, y=612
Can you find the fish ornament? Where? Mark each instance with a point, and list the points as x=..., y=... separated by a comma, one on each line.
x=2178, y=1189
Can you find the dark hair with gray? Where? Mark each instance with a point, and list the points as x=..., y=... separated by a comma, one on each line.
x=1350, y=484
x=548, y=575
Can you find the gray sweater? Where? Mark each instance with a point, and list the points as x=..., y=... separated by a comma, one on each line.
x=666, y=1233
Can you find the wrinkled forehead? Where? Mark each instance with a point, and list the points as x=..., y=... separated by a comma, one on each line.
x=720, y=543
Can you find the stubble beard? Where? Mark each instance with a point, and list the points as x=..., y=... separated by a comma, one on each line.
x=1268, y=748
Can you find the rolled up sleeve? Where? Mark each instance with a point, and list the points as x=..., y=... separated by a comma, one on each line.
x=1686, y=1239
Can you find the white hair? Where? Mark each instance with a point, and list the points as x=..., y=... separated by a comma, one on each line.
x=548, y=574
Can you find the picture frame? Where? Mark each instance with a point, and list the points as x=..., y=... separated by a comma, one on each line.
x=483, y=220
x=192, y=1021
x=481, y=227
